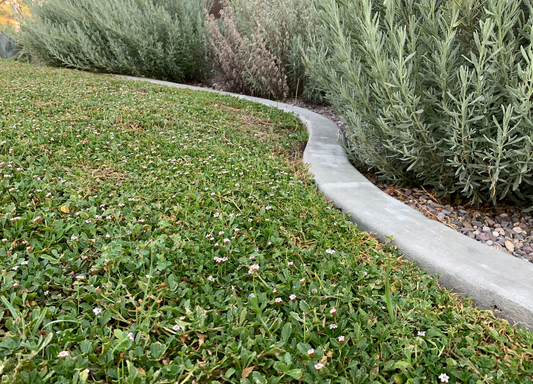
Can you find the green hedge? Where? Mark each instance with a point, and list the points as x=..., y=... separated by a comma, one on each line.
x=152, y=38
x=436, y=92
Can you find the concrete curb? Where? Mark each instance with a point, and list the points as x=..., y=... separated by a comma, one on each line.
x=495, y=281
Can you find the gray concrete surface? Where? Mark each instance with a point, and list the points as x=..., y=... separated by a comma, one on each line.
x=494, y=280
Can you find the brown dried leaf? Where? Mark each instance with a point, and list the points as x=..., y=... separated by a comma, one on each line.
x=246, y=372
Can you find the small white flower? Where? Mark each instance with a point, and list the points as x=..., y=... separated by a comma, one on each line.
x=176, y=327
x=211, y=278
x=63, y=354
x=340, y=339
x=291, y=264
x=15, y=267
x=333, y=326
x=292, y=297
x=107, y=236
x=130, y=336
x=4, y=240
x=319, y=366
x=421, y=333
x=46, y=293
x=87, y=221
x=220, y=260
x=333, y=311
x=79, y=277
x=302, y=281
x=149, y=277
x=252, y=295
x=25, y=262
x=226, y=241
x=311, y=352
x=278, y=300
x=216, y=214
x=74, y=238
x=444, y=378
x=221, y=233
x=274, y=290
x=268, y=207
x=330, y=251
x=97, y=311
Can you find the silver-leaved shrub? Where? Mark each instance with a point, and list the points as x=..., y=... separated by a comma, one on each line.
x=163, y=39
x=434, y=92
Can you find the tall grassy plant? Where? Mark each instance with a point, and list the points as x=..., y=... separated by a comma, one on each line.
x=255, y=47
x=436, y=92
x=163, y=39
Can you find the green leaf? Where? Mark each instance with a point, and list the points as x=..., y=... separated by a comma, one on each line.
x=304, y=306
x=402, y=365
x=229, y=373
x=258, y=378
x=296, y=374
x=286, y=332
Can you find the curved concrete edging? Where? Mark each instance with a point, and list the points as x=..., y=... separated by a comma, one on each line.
x=495, y=282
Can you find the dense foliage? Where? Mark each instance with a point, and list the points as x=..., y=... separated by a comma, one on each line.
x=154, y=38
x=255, y=47
x=435, y=92
x=155, y=235
x=9, y=46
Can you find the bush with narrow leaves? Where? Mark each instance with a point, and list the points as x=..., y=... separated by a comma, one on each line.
x=152, y=38
x=255, y=47
x=436, y=92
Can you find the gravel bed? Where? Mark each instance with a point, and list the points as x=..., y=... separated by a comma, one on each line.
x=506, y=228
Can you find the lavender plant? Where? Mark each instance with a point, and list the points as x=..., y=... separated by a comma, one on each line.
x=435, y=92
x=153, y=38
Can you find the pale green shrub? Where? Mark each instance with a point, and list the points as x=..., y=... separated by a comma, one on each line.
x=154, y=38
x=255, y=46
x=436, y=92
x=9, y=43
